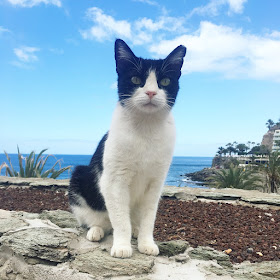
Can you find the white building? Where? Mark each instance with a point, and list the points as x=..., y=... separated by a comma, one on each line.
x=276, y=137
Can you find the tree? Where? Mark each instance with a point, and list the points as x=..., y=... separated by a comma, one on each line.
x=272, y=171
x=270, y=123
x=220, y=151
x=259, y=150
x=235, y=177
x=230, y=148
x=241, y=149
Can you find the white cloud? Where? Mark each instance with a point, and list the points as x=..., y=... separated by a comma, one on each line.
x=229, y=51
x=214, y=6
x=31, y=3
x=211, y=48
x=26, y=54
x=236, y=6
x=105, y=26
x=149, y=2
x=3, y=30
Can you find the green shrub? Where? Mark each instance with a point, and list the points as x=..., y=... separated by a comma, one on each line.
x=33, y=166
x=236, y=177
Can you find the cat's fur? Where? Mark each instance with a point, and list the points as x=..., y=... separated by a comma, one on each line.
x=121, y=187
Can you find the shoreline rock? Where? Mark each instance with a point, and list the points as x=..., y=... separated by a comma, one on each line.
x=201, y=176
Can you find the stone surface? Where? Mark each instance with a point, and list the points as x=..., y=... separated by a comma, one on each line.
x=100, y=263
x=172, y=248
x=9, y=221
x=207, y=253
x=49, y=246
x=39, y=244
x=61, y=218
x=252, y=197
x=33, y=182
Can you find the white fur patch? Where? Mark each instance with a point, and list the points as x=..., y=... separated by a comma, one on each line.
x=86, y=215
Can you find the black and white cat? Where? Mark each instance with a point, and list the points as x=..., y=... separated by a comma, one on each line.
x=121, y=187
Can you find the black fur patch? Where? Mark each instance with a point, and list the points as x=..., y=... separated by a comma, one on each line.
x=85, y=180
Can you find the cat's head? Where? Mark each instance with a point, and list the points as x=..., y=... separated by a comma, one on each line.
x=148, y=85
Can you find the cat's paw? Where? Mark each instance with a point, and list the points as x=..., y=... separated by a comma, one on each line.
x=95, y=234
x=121, y=251
x=148, y=248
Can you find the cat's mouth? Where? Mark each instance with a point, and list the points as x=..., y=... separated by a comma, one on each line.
x=150, y=105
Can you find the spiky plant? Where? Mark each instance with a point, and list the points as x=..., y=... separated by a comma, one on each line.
x=33, y=166
x=236, y=177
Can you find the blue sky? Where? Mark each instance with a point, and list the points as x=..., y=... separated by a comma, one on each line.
x=58, y=80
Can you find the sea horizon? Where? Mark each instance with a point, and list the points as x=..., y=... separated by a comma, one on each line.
x=180, y=166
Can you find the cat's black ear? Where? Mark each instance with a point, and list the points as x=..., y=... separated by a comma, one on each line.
x=123, y=55
x=176, y=58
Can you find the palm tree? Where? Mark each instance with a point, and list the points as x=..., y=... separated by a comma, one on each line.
x=241, y=149
x=270, y=123
x=220, y=151
x=272, y=171
x=235, y=177
x=230, y=148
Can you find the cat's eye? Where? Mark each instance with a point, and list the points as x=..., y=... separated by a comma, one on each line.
x=136, y=80
x=165, y=82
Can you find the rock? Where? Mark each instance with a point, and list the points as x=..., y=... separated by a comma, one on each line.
x=13, y=267
x=99, y=263
x=262, y=271
x=218, y=196
x=250, y=250
x=258, y=200
x=172, y=248
x=182, y=258
x=207, y=253
x=9, y=221
x=61, y=218
x=39, y=244
x=202, y=176
x=34, y=182
x=58, y=272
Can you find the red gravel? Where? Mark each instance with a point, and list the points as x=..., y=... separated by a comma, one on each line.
x=218, y=225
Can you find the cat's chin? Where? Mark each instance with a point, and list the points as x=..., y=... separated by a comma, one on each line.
x=149, y=108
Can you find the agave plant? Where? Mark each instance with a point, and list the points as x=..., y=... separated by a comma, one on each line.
x=33, y=166
x=236, y=177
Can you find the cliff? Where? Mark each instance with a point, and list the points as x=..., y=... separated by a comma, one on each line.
x=268, y=137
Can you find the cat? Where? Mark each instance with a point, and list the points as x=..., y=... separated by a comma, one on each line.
x=120, y=189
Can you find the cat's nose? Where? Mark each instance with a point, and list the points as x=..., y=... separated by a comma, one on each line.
x=151, y=94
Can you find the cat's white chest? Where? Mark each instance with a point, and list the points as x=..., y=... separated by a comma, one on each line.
x=139, y=152
x=140, y=143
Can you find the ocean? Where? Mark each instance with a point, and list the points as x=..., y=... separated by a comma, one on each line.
x=175, y=177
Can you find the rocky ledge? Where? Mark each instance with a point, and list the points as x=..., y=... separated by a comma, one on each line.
x=50, y=246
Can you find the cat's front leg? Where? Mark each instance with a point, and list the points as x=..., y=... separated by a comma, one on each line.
x=116, y=195
x=148, y=210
